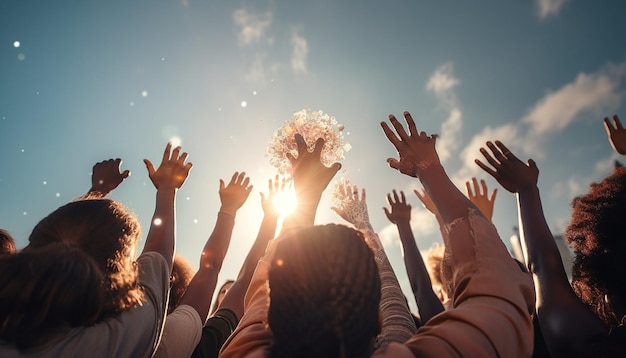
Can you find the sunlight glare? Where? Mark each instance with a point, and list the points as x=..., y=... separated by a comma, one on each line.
x=285, y=202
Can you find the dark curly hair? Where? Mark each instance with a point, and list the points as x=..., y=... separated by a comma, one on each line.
x=7, y=243
x=107, y=232
x=324, y=294
x=182, y=273
x=597, y=233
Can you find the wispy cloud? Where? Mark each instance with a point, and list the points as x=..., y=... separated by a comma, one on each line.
x=299, y=53
x=594, y=94
x=442, y=83
x=546, y=8
x=253, y=26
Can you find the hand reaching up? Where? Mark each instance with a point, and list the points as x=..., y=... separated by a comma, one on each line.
x=106, y=176
x=416, y=151
x=400, y=210
x=235, y=194
x=276, y=188
x=481, y=199
x=173, y=170
x=352, y=208
x=513, y=174
x=617, y=134
x=310, y=175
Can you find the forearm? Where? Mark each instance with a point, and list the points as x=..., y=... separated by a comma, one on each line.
x=428, y=303
x=304, y=215
x=161, y=237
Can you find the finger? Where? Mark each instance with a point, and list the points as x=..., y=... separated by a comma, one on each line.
x=485, y=192
x=319, y=145
x=166, y=154
x=246, y=182
x=486, y=168
x=390, y=134
x=618, y=124
x=271, y=186
x=393, y=163
x=291, y=158
x=477, y=191
x=395, y=196
x=411, y=123
x=150, y=167
x=300, y=143
x=241, y=178
x=222, y=185
x=496, y=152
x=233, y=179
x=388, y=214
x=489, y=159
x=176, y=152
x=188, y=166
x=263, y=199
x=402, y=197
x=355, y=192
x=183, y=157
x=608, y=126
x=532, y=164
x=363, y=194
x=399, y=128
x=249, y=188
x=336, y=209
x=419, y=195
x=469, y=189
x=125, y=174
x=493, y=195
x=336, y=167
x=506, y=150
x=434, y=138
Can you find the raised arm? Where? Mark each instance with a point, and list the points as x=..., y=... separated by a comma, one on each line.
x=397, y=323
x=428, y=303
x=202, y=285
x=617, y=134
x=567, y=324
x=167, y=179
x=429, y=205
x=481, y=198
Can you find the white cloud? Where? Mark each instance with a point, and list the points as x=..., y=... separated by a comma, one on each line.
x=253, y=26
x=257, y=69
x=299, y=54
x=442, y=83
x=594, y=93
x=546, y=8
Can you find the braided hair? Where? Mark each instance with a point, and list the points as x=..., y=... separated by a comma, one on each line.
x=324, y=294
x=597, y=234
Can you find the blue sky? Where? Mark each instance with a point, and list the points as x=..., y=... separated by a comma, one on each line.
x=95, y=80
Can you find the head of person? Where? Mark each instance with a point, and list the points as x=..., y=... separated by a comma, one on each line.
x=597, y=233
x=182, y=273
x=7, y=243
x=324, y=294
x=221, y=293
x=106, y=231
x=46, y=291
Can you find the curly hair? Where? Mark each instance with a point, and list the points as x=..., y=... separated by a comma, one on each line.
x=107, y=232
x=434, y=258
x=597, y=235
x=324, y=294
x=7, y=243
x=182, y=273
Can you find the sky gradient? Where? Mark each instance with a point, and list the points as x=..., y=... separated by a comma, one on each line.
x=81, y=82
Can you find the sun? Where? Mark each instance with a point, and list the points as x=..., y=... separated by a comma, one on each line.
x=285, y=202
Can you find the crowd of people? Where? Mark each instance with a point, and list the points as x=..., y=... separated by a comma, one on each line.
x=80, y=289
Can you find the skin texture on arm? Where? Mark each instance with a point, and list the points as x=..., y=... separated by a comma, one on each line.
x=397, y=322
x=400, y=215
x=202, y=285
x=567, y=324
x=616, y=134
x=167, y=179
x=234, y=298
x=481, y=199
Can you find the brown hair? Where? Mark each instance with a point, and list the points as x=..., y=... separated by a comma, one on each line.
x=182, y=273
x=324, y=294
x=107, y=232
x=7, y=243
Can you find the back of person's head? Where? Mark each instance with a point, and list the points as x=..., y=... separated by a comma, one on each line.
x=597, y=234
x=106, y=231
x=221, y=293
x=7, y=243
x=46, y=291
x=434, y=259
x=324, y=294
x=182, y=273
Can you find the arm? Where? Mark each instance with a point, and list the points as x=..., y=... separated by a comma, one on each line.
x=492, y=297
x=234, y=298
x=617, y=135
x=105, y=177
x=427, y=301
x=481, y=199
x=202, y=285
x=167, y=179
x=397, y=322
x=429, y=205
x=567, y=324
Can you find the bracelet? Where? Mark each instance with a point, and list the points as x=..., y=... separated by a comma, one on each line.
x=227, y=213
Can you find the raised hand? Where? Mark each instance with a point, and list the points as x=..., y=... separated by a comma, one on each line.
x=352, y=208
x=481, y=199
x=513, y=174
x=617, y=134
x=400, y=210
x=310, y=175
x=173, y=170
x=427, y=201
x=106, y=176
x=416, y=151
x=235, y=194
x=276, y=188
